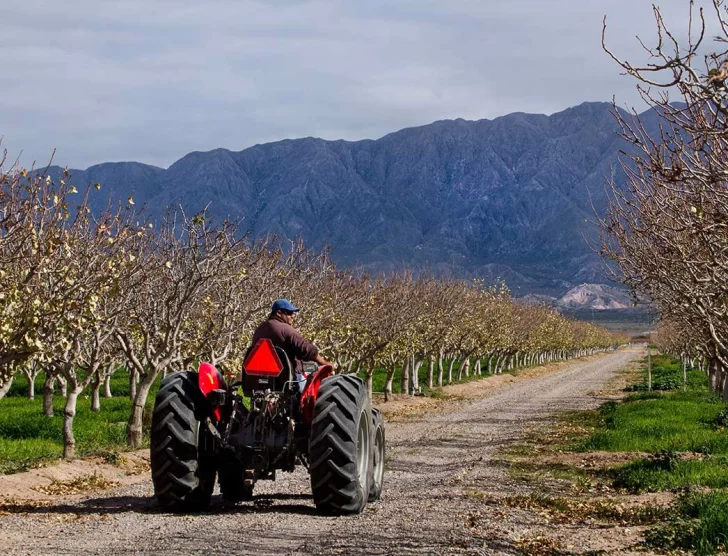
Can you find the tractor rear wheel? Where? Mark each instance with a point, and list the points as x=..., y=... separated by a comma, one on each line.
x=376, y=472
x=182, y=457
x=340, y=446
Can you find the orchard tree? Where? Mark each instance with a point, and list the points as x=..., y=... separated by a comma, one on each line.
x=34, y=214
x=667, y=230
x=179, y=267
x=98, y=263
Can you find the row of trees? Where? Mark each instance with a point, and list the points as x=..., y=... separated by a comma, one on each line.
x=83, y=294
x=668, y=230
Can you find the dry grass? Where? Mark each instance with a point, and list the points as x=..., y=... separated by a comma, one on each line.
x=540, y=545
x=81, y=484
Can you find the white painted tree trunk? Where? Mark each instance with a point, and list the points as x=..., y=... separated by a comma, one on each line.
x=134, y=434
x=132, y=384
x=388, y=382
x=404, y=379
x=369, y=374
x=48, y=394
x=416, y=375
x=5, y=388
x=440, y=370
x=107, y=387
x=64, y=385
x=69, y=412
x=713, y=375
x=30, y=374
x=95, y=393
x=413, y=375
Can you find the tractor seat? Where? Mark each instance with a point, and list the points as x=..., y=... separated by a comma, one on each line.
x=262, y=365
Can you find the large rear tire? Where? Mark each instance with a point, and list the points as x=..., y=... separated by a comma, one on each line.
x=376, y=478
x=340, y=446
x=182, y=458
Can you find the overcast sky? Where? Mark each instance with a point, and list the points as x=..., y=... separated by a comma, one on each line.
x=152, y=80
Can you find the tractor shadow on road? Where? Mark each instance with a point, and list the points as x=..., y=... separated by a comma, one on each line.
x=264, y=503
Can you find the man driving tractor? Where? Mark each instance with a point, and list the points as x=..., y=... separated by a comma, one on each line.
x=278, y=328
x=203, y=429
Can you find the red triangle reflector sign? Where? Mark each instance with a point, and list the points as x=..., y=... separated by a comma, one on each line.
x=263, y=359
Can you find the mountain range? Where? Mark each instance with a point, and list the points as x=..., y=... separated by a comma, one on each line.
x=510, y=198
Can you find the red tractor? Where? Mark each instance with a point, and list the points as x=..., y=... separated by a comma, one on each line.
x=203, y=427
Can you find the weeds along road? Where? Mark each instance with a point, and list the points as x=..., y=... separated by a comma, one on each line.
x=434, y=464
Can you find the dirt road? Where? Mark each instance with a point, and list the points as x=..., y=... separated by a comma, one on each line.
x=434, y=465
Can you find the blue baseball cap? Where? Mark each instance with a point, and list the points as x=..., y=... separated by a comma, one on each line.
x=284, y=305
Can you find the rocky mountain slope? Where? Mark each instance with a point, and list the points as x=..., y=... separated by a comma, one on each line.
x=508, y=198
x=596, y=296
x=599, y=297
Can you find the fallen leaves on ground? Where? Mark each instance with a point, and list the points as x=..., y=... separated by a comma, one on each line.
x=83, y=483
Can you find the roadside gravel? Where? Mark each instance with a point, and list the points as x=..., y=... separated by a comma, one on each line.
x=434, y=464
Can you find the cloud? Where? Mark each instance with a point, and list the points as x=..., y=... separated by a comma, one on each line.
x=152, y=81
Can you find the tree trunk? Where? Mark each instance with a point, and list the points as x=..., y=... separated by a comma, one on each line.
x=69, y=412
x=134, y=435
x=440, y=370
x=5, y=388
x=132, y=384
x=712, y=378
x=462, y=366
x=30, y=375
x=48, y=395
x=404, y=384
x=369, y=374
x=415, y=375
x=388, y=383
x=449, y=371
x=95, y=390
x=431, y=373
x=502, y=364
x=107, y=386
x=64, y=385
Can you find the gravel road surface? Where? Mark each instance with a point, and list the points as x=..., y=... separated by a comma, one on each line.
x=434, y=464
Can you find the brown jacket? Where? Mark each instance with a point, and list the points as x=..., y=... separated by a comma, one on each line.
x=283, y=335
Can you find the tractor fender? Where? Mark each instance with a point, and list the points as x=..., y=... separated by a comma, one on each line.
x=209, y=379
x=310, y=391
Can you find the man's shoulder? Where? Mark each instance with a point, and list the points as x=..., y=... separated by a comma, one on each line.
x=276, y=325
